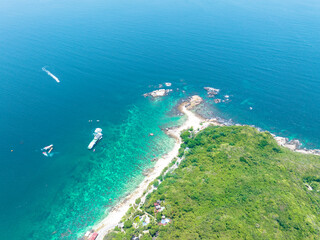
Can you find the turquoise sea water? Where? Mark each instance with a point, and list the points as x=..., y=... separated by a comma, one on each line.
x=264, y=54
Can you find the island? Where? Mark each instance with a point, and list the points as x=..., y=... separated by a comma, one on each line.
x=222, y=182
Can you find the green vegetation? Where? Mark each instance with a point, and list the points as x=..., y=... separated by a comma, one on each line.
x=235, y=183
x=127, y=224
x=138, y=200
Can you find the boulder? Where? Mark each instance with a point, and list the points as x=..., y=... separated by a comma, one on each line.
x=212, y=91
x=158, y=93
x=194, y=101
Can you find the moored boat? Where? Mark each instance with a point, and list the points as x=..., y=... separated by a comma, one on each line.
x=97, y=136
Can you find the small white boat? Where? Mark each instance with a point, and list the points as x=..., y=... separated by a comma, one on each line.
x=47, y=150
x=47, y=147
x=97, y=136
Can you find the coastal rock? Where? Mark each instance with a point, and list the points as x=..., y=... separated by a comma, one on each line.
x=308, y=151
x=212, y=91
x=294, y=144
x=158, y=93
x=194, y=101
x=285, y=142
x=281, y=140
x=168, y=84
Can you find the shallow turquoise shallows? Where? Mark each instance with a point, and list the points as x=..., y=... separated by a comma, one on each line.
x=264, y=54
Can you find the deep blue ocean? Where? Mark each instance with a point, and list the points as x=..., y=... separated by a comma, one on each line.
x=106, y=54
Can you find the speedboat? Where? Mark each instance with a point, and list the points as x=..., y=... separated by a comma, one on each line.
x=46, y=151
x=97, y=136
x=47, y=148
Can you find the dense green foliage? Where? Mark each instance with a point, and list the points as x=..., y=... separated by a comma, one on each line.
x=236, y=183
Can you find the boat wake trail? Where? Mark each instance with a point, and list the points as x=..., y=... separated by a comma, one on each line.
x=50, y=74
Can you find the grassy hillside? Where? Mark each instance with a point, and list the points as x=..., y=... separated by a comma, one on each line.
x=233, y=183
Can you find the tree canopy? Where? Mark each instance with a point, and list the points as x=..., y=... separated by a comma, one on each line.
x=235, y=183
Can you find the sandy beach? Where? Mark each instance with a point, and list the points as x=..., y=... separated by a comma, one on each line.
x=192, y=120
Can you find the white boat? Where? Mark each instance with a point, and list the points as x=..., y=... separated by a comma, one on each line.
x=47, y=151
x=97, y=136
x=47, y=147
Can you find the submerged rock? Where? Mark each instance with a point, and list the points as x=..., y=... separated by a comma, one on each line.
x=168, y=84
x=146, y=172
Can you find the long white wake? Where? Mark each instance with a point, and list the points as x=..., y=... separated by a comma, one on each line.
x=50, y=74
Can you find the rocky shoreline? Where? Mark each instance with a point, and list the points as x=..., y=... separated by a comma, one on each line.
x=294, y=144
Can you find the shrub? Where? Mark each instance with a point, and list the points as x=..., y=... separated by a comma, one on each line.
x=310, y=179
x=153, y=230
x=243, y=159
x=263, y=143
x=127, y=224
x=156, y=183
x=138, y=200
x=159, y=215
x=276, y=149
x=185, y=135
x=146, y=237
